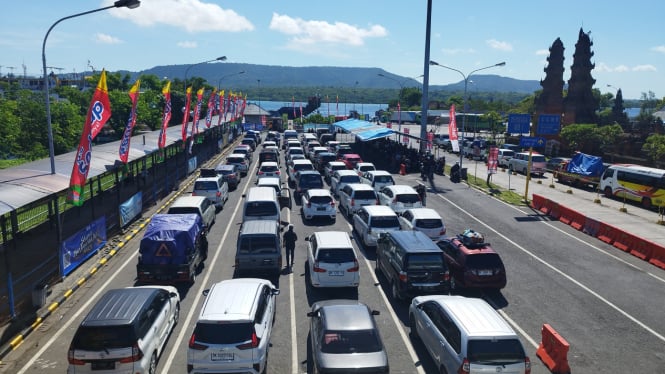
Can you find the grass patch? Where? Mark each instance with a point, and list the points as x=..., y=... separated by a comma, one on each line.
x=499, y=192
x=5, y=164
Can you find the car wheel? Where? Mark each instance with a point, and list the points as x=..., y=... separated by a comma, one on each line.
x=412, y=326
x=607, y=192
x=176, y=314
x=152, y=367
x=395, y=291
x=646, y=203
x=192, y=277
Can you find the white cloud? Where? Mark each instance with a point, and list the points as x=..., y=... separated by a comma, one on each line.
x=457, y=51
x=604, y=68
x=543, y=52
x=107, y=39
x=660, y=48
x=187, y=44
x=190, y=15
x=307, y=33
x=502, y=46
x=644, y=68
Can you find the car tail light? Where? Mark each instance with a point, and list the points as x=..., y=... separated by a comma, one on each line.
x=445, y=276
x=355, y=267
x=253, y=343
x=527, y=365
x=260, y=173
x=137, y=355
x=277, y=172
x=317, y=269
x=443, y=231
x=465, y=368
x=219, y=194
x=332, y=203
x=71, y=359
x=353, y=202
x=197, y=346
x=376, y=202
x=403, y=277
x=194, y=193
x=395, y=200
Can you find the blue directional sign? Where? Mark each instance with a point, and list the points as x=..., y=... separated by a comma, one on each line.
x=548, y=124
x=519, y=123
x=532, y=141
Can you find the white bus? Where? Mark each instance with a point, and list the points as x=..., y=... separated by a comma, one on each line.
x=642, y=184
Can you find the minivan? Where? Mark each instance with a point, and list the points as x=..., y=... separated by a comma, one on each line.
x=214, y=188
x=332, y=260
x=412, y=264
x=259, y=248
x=232, y=333
x=261, y=203
x=197, y=205
x=126, y=331
x=466, y=335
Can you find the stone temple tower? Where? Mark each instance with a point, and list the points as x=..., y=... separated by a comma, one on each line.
x=580, y=105
x=550, y=101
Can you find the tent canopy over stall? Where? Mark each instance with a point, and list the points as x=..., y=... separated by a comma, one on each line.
x=363, y=130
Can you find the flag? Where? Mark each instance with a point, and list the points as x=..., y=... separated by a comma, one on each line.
x=127, y=135
x=197, y=111
x=399, y=117
x=220, y=107
x=328, y=100
x=300, y=110
x=185, y=116
x=98, y=113
x=337, y=105
x=211, y=107
x=166, y=117
x=293, y=98
x=244, y=105
x=452, y=130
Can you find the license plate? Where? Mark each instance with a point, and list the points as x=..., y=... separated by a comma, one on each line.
x=484, y=272
x=218, y=356
x=408, y=205
x=321, y=208
x=102, y=365
x=336, y=273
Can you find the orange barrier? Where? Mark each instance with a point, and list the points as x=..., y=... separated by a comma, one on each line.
x=547, y=206
x=591, y=226
x=566, y=214
x=555, y=210
x=578, y=220
x=553, y=350
x=538, y=202
x=605, y=233
x=622, y=240
x=641, y=248
x=657, y=255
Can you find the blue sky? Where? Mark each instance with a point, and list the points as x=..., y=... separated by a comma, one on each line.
x=629, y=43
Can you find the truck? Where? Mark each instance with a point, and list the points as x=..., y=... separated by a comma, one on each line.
x=581, y=171
x=172, y=249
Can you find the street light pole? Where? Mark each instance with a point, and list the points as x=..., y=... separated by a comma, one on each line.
x=131, y=4
x=219, y=82
x=399, y=97
x=223, y=58
x=466, y=85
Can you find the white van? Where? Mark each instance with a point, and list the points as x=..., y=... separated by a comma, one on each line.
x=196, y=205
x=261, y=203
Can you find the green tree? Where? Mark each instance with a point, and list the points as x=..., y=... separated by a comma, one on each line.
x=579, y=137
x=654, y=147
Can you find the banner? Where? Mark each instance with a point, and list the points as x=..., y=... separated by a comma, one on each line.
x=220, y=107
x=452, y=130
x=98, y=113
x=82, y=245
x=399, y=117
x=211, y=107
x=405, y=137
x=166, y=117
x=293, y=103
x=127, y=135
x=493, y=159
x=430, y=138
x=131, y=208
x=197, y=111
x=185, y=116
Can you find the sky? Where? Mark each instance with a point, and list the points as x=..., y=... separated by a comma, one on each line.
x=628, y=43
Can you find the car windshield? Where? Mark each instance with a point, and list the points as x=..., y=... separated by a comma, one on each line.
x=424, y=261
x=335, y=255
x=429, y=223
x=261, y=208
x=496, y=351
x=225, y=171
x=383, y=179
x=257, y=244
x=234, y=160
x=365, y=195
x=299, y=167
x=320, y=199
x=367, y=168
x=409, y=198
x=98, y=338
x=385, y=221
x=205, y=185
x=484, y=261
x=269, y=168
x=184, y=210
x=360, y=341
x=227, y=333
x=349, y=179
x=537, y=158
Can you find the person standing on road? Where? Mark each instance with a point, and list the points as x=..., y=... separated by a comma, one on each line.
x=289, y=238
x=422, y=193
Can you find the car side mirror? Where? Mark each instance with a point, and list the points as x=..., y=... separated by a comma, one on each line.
x=375, y=312
x=205, y=292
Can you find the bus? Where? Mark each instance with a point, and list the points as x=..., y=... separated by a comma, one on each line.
x=641, y=184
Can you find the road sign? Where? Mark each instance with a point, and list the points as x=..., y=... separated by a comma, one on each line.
x=519, y=123
x=549, y=124
x=532, y=141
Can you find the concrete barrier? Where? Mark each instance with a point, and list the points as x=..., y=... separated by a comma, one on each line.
x=553, y=350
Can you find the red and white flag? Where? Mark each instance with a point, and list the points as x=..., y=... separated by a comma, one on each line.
x=197, y=111
x=211, y=107
x=452, y=130
x=185, y=116
x=98, y=113
x=166, y=117
x=123, y=151
x=220, y=109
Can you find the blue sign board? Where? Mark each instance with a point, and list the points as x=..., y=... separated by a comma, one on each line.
x=549, y=124
x=519, y=123
x=532, y=141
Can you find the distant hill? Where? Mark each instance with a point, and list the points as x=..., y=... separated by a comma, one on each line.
x=227, y=75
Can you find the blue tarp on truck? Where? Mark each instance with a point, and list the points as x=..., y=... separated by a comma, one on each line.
x=586, y=165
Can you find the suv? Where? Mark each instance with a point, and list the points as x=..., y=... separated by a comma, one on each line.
x=331, y=260
x=215, y=189
x=305, y=180
x=129, y=338
x=230, y=173
x=412, y=264
x=232, y=333
x=423, y=219
x=470, y=336
x=195, y=205
x=283, y=194
x=297, y=165
x=353, y=196
x=361, y=167
x=240, y=160
x=341, y=178
x=520, y=163
x=259, y=248
x=371, y=220
x=268, y=169
x=330, y=168
x=472, y=262
x=377, y=179
x=318, y=202
x=399, y=197
x=245, y=150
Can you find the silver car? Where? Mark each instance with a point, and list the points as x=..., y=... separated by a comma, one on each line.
x=345, y=338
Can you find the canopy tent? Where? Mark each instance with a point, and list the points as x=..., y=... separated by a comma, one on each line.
x=363, y=130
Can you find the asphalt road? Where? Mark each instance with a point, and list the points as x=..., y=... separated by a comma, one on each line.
x=606, y=303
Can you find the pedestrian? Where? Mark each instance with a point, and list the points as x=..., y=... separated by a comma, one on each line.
x=422, y=192
x=289, y=238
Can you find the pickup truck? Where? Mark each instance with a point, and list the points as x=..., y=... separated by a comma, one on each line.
x=172, y=249
x=581, y=170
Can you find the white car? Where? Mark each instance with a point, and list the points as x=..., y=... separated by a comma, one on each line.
x=318, y=202
x=332, y=260
x=331, y=167
x=268, y=169
x=423, y=219
x=298, y=165
x=269, y=143
x=293, y=151
x=372, y=220
x=353, y=196
x=377, y=179
x=341, y=178
x=361, y=167
x=399, y=197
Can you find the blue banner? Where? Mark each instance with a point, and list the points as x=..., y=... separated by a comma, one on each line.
x=519, y=123
x=131, y=208
x=82, y=245
x=549, y=124
x=191, y=165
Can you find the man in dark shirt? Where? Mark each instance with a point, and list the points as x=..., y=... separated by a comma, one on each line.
x=289, y=238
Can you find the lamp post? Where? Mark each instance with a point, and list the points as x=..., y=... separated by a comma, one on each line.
x=131, y=4
x=399, y=97
x=219, y=82
x=223, y=58
x=466, y=84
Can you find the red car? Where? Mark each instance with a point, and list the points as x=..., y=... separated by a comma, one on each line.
x=350, y=160
x=472, y=262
